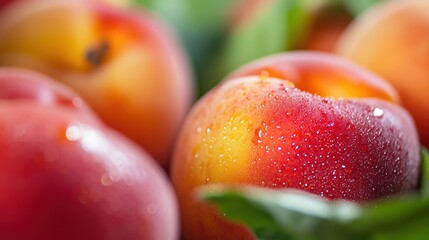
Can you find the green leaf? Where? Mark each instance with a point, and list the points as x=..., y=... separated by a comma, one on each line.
x=398, y=218
x=425, y=172
x=286, y=214
x=236, y=207
x=293, y=214
x=146, y=3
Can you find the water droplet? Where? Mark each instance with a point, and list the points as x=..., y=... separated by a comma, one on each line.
x=378, y=112
x=106, y=180
x=152, y=209
x=74, y=133
x=260, y=133
x=350, y=127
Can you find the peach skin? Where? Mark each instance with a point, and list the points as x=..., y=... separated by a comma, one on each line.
x=65, y=175
x=273, y=129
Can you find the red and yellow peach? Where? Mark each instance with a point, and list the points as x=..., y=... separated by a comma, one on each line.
x=307, y=121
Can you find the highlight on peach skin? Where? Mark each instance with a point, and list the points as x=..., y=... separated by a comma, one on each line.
x=301, y=120
x=392, y=40
x=65, y=175
x=125, y=63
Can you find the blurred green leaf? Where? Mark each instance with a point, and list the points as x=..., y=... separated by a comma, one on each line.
x=293, y=214
x=288, y=214
x=398, y=218
x=236, y=207
x=424, y=182
x=146, y=3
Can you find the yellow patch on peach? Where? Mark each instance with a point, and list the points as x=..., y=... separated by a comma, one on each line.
x=43, y=30
x=225, y=150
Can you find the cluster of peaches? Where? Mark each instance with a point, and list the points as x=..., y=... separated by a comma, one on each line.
x=102, y=135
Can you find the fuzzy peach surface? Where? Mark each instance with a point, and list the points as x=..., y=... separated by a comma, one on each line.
x=265, y=132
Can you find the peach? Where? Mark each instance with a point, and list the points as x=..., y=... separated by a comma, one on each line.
x=125, y=63
x=351, y=141
x=392, y=40
x=66, y=175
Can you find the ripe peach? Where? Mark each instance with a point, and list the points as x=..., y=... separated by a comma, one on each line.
x=392, y=40
x=65, y=175
x=351, y=143
x=125, y=63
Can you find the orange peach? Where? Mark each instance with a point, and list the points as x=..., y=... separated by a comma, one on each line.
x=392, y=40
x=125, y=63
x=307, y=121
